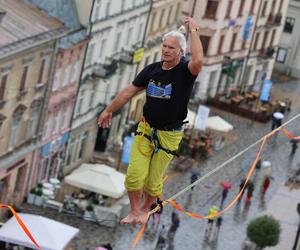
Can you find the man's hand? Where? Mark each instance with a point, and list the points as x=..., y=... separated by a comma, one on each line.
x=191, y=24
x=104, y=119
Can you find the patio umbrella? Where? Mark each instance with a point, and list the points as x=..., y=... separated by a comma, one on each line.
x=98, y=178
x=49, y=234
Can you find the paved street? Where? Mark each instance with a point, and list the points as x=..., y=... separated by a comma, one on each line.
x=190, y=234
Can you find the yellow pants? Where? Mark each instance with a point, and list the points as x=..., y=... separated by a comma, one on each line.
x=145, y=170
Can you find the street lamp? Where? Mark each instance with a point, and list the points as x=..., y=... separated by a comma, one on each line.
x=298, y=231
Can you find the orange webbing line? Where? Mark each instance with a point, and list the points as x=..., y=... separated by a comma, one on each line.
x=25, y=229
x=174, y=204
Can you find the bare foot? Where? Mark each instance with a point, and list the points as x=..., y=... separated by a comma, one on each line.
x=142, y=217
x=131, y=218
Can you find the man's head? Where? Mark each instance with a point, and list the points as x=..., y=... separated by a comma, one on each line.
x=174, y=46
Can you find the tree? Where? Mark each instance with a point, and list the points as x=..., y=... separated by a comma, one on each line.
x=264, y=231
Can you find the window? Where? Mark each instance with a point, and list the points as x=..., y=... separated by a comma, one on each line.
x=129, y=35
x=92, y=97
x=107, y=10
x=66, y=115
x=67, y=75
x=162, y=14
x=241, y=7
x=123, y=5
x=264, y=9
x=205, y=43
x=229, y=7
x=117, y=41
x=177, y=14
x=24, y=78
x=281, y=55
x=15, y=130
x=170, y=15
x=41, y=73
x=211, y=9
x=233, y=40
x=252, y=7
x=79, y=103
x=256, y=41
x=48, y=126
x=102, y=48
x=264, y=43
x=32, y=123
x=221, y=44
x=3, y=82
x=272, y=37
x=140, y=34
x=76, y=72
x=97, y=10
x=56, y=82
x=83, y=139
x=289, y=24
x=153, y=22
x=89, y=56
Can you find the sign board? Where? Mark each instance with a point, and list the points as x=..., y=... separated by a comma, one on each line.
x=266, y=89
x=138, y=55
x=126, y=149
x=201, y=117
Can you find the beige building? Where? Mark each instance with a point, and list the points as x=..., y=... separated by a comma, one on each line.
x=164, y=17
x=27, y=42
x=240, y=39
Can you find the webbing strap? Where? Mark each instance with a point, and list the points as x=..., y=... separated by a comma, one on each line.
x=158, y=146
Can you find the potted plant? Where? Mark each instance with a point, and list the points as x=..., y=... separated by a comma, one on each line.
x=89, y=213
x=264, y=231
x=39, y=197
x=31, y=196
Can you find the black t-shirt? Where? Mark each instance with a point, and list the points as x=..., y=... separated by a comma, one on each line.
x=168, y=92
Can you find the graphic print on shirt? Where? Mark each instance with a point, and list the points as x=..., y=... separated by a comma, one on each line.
x=158, y=90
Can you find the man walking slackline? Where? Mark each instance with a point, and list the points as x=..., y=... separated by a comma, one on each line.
x=168, y=85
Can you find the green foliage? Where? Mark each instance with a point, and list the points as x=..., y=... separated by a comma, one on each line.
x=89, y=208
x=33, y=191
x=39, y=192
x=264, y=231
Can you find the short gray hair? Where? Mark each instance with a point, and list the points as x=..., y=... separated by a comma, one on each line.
x=180, y=37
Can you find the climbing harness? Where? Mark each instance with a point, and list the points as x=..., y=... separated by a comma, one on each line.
x=154, y=141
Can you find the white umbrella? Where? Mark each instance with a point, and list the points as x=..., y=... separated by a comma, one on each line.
x=218, y=124
x=49, y=234
x=98, y=178
x=278, y=115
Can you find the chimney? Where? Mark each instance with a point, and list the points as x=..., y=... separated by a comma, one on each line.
x=2, y=14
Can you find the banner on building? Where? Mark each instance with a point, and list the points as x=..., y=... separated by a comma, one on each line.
x=247, y=28
x=201, y=117
x=266, y=89
x=126, y=149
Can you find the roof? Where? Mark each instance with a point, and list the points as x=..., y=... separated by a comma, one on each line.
x=24, y=25
x=66, y=11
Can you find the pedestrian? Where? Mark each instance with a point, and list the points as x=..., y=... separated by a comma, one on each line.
x=156, y=215
x=225, y=188
x=218, y=224
x=194, y=177
x=162, y=238
x=213, y=210
x=250, y=189
x=266, y=184
x=294, y=143
x=277, y=118
x=168, y=86
x=242, y=184
x=175, y=223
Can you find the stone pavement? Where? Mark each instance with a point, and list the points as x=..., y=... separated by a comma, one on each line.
x=190, y=234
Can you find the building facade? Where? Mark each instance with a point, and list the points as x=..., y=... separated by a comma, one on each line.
x=65, y=76
x=288, y=53
x=239, y=39
x=26, y=55
x=116, y=31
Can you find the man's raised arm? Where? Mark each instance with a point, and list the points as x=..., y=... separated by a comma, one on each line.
x=196, y=61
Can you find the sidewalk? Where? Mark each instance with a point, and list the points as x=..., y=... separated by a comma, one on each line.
x=283, y=206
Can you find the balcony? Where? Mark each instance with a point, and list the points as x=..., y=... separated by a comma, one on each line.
x=267, y=53
x=104, y=70
x=274, y=20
